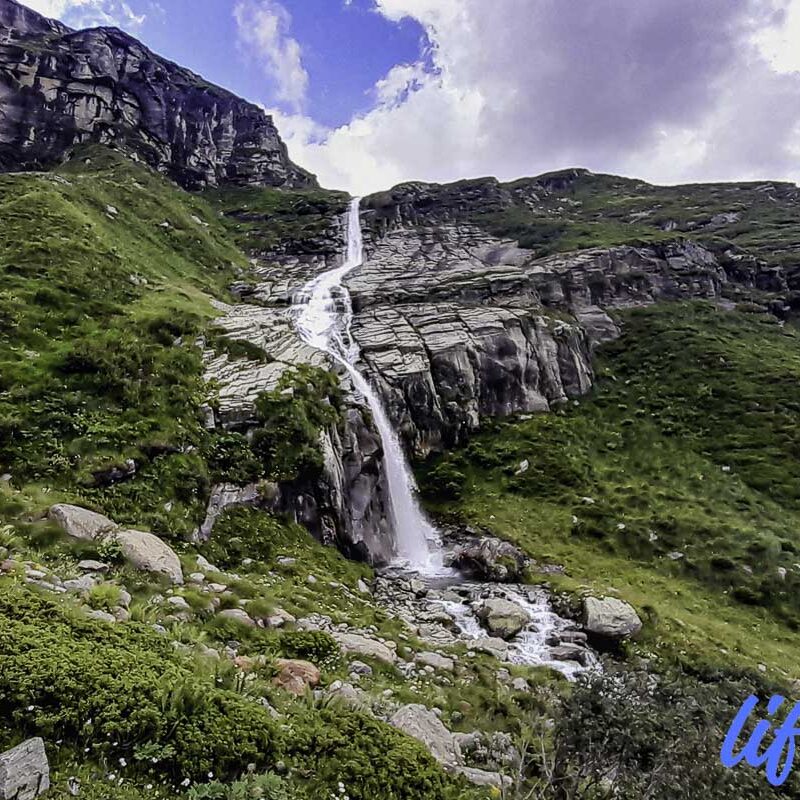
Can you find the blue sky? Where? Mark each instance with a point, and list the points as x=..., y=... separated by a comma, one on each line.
x=346, y=50
x=369, y=93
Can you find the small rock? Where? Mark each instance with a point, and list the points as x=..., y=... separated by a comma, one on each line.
x=179, y=602
x=362, y=587
x=354, y=644
x=24, y=771
x=523, y=467
x=80, y=585
x=80, y=523
x=436, y=661
x=238, y=615
x=197, y=577
x=103, y=616
x=296, y=676
x=93, y=566
x=311, y=580
x=520, y=685
x=424, y=726
x=360, y=668
x=147, y=552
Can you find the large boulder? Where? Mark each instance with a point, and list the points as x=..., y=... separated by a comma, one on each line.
x=424, y=726
x=147, y=552
x=24, y=771
x=80, y=523
x=492, y=560
x=354, y=644
x=609, y=619
x=503, y=618
x=295, y=676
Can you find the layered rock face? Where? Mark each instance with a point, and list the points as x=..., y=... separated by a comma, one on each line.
x=60, y=88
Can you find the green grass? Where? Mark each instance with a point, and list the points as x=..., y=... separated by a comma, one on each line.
x=687, y=445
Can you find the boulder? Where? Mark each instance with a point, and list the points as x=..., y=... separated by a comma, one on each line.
x=80, y=523
x=436, y=661
x=147, y=552
x=238, y=615
x=503, y=618
x=354, y=644
x=490, y=645
x=424, y=726
x=295, y=676
x=608, y=618
x=491, y=560
x=24, y=771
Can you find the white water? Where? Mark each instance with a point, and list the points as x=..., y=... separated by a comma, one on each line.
x=529, y=646
x=323, y=314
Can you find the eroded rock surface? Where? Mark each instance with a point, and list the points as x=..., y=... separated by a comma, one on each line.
x=60, y=88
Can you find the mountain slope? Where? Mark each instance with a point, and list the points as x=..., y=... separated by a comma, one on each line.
x=60, y=88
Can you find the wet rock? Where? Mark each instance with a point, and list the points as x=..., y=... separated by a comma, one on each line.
x=491, y=646
x=611, y=619
x=24, y=771
x=491, y=559
x=503, y=618
x=570, y=652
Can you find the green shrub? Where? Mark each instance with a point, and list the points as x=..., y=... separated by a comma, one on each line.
x=291, y=418
x=370, y=758
x=316, y=646
x=242, y=533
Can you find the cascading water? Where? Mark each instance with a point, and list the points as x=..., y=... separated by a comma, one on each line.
x=323, y=314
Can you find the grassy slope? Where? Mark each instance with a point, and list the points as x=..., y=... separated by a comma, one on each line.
x=604, y=210
x=687, y=445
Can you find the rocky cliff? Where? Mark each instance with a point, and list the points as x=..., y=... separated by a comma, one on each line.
x=60, y=88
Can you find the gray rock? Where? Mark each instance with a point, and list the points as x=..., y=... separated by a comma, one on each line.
x=102, y=616
x=490, y=645
x=480, y=777
x=81, y=585
x=93, y=566
x=610, y=618
x=238, y=615
x=360, y=668
x=147, y=552
x=24, y=771
x=355, y=644
x=424, y=726
x=491, y=559
x=503, y=618
x=436, y=661
x=101, y=85
x=80, y=523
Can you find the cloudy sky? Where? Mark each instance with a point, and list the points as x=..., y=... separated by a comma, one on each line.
x=368, y=93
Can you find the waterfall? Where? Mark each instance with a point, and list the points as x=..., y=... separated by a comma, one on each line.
x=323, y=314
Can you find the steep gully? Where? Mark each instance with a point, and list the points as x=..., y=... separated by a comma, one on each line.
x=322, y=313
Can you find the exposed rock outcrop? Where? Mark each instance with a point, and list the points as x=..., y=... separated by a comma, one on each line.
x=503, y=618
x=60, y=88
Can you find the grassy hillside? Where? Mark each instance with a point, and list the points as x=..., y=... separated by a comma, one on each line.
x=673, y=485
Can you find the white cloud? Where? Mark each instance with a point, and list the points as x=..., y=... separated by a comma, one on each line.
x=667, y=90
x=263, y=27
x=87, y=13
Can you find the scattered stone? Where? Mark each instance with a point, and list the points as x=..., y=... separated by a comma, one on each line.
x=217, y=588
x=503, y=618
x=424, y=726
x=610, y=618
x=179, y=602
x=81, y=585
x=102, y=616
x=147, y=552
x=490, y=645
x=197, y=577
x=296, y=676
x=354, y=644
x=311, y=580
x=24, y=771
x=125, y=598
x=80, y=523
x=570, y=652
x=360, y=668
x=93, y=566
x=238, y=615
x=520, y=685
x=205, y=565
x=362, y=587
x=436, y=661
x=523, y=467
x=676, y=556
